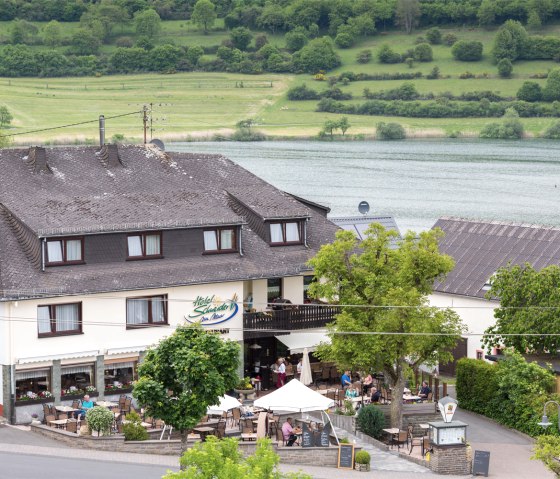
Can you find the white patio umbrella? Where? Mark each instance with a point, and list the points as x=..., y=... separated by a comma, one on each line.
x=226, y=403
x=306, y=377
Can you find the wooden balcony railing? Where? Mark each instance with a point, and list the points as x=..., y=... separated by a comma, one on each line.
x=308, y=316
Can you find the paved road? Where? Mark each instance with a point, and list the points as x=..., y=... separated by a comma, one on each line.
x=14, y=466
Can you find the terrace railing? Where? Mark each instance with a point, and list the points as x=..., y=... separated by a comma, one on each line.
x=307, y=316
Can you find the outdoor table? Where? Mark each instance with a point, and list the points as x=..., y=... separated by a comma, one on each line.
x=392, y=432
x=66, y=409
x=203, y=431
x=59, y=423
x=408, y=397
x=107, y=404
x=425, y=427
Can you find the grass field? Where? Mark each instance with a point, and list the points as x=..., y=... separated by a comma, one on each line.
x=196, y=105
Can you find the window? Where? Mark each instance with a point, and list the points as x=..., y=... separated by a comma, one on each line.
x=146, y=311
x=59, y=319
x=274, y=289
x=220, y=240
x=144, y=245
x=120, y=375
x=479, y=354
x=75, y=379
x=285, y=233
x=307, y=281
x=32, y=384
x=65, y=251
x=488, y=285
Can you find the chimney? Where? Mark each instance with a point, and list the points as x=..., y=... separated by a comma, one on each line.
x=101, y=130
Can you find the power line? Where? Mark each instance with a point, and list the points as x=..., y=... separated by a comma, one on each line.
x=69, y=125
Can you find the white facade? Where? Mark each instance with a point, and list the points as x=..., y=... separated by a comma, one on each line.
x=477, y=314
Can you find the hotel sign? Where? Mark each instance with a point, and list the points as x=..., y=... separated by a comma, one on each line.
x=211, y=310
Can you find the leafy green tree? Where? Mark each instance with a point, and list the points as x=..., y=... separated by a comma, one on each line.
x=52, y=34
x=487, y=12
x=362, y=25
x=534, y=22
x=303, y=13
x=5, y=116
x=552, y=132
x=344, y=125
x=204, y=14
x=145, y=43
x=329, y=127
x=272, y=18
x=467, y=51
x=260, y=41
x=530, y=91
x=164, y=57
x=22, y=31
x=529, y=301
x=241, y=38
x=510, y=128
x=184, y=374
x=100, y=419
x=387, y=55
x=318, y=54
x=551, y=91
x=371, y=273
x=296, y=39
x=194, y=53
x=510, y=41
x=505, y=68
x=147, y=23
x=389, y=131
x=434, y=36
x=103, y=17
x=408, y=14
x=364, y=56
x=543, y=8
x=344, y=40
x=423, y=53
x=84, y=42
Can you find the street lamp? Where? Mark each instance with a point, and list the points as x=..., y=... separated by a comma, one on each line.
x=544, y=421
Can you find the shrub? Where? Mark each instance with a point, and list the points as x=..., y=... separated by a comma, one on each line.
x=511, y=41
x=407, y=91
x=260, y=41
x=467, y=51
x=302, y=92
x=371, y=419
x=362, y=457
x=552, y=132
x=145, y=43
x=364, y=56
x=551, y=91
x=296, y=39
x=434, y=35
x=410, y=62
x=449, y=39
x=434, y=74
x=318, y=54
x=530, y=91
x=466, y=75
x=100, y=419
x=241, y=38
x=336, y=94
x=510, y=128
x=344, y=40
x=389, y=131
x=133, y=429
x=505, y=67
x=124, y=42
x=387, y=55
x=547, y=450
x=423, y=53
x=419, y=40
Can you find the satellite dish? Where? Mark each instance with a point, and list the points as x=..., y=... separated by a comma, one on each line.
x=363, y=207
x=158, y=143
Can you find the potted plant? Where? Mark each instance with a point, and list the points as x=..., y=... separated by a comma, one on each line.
x=362, y=460
x=35, y=419
x=244, y=387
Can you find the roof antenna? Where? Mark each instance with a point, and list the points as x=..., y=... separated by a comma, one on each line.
x=101, y=130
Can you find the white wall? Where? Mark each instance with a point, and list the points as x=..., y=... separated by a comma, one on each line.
x=109, y=311
x=260, y=294
x=4, y=338
x=292, y=289
x=477, y=314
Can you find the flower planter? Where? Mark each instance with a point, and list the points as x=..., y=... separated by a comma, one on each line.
x=27, y=402
x=111, y=392
x=244, y=393
x=362, y=467
x=71, y=397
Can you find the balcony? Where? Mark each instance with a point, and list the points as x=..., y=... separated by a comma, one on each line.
x=274, y=323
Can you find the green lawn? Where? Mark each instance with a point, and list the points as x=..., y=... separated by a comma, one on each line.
x=198, y=104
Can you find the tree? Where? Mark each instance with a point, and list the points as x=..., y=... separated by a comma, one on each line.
x=467, y=51
x=387, y=55
x=318, y=54
x=84, y=42
x=241, y=38
x=272, y=18
x=408, y=14
x=343, y=124
x=529, y=302
x=510, y=128
x=204, y=14
x=530, y=91
x=21, y=31
x=296, y=39
x=363, y=275
x=551, y=91
x=487, y=12
x=194, y=53
x=534, y=21
x=52, y=34
x=5, y=116
x=434, y=35
x=184, y=374
x=389, y=131
x=423, y=52
x=510, y=41
x=505, y=68
x=101, y=18
x=147, y=23
x=329, y=127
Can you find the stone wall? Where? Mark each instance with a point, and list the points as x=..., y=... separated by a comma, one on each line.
x=325, y=456
x=455, y=460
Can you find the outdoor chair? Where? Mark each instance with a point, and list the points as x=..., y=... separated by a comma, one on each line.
x=325, y=375
x=75, y=404
x=221, y=429
x=416, y=441
x=46, y=411
x=235, y=416
x=334, y=375
x=122, y=400
x=429, y=397
x=72, y=426
x=400, y=439
x=127, y=405
x=247, y=433
x=280, y=437
x=49, y=418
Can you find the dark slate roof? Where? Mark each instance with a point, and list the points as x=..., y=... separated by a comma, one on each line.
x=359, y=224
x=269, y=207
x=481, y=247
x=147, y=189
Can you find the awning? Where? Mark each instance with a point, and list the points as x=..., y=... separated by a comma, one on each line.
x=62, y=357
x=297, y=342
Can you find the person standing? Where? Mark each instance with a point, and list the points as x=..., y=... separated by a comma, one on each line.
x=281, y=373
x=345, y=379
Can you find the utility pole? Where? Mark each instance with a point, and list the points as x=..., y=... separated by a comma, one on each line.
x=145, y=122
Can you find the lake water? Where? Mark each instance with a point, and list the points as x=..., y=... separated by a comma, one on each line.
x=415, y=181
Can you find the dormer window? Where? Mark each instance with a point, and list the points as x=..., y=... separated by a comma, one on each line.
x=285, y=232
x=144, y=245
x=61, y=251
x=220, y=240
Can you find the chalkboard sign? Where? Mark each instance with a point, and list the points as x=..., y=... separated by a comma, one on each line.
x=346, y=456
x=324, y=437
x=481, y=462
x=306, y=436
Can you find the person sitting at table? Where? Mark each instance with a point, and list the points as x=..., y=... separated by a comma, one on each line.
x=351, y=392
x=367, y=383
x=345, y=379
x=86, y=404
x=375, y=394
x=425, y=390
x=288, y=432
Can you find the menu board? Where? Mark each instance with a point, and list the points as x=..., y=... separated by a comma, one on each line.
x=324, y=439
x=306, y=436
x=451, y=435
x=346, y=456
x=481, y=463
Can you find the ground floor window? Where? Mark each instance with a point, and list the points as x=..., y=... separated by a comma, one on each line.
x=33, y=384
x=77, y=379
x=120, y=375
